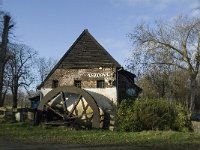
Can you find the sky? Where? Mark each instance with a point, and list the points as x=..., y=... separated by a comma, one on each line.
x=51, y=26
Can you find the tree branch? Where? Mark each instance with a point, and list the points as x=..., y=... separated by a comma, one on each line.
x=172, y=64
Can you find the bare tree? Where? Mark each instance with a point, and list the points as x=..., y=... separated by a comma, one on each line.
x=175, y=43
x=44, y=66
x=4, y=55
x=20, y=69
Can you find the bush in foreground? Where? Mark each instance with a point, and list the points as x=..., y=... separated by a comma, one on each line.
x=152, y=114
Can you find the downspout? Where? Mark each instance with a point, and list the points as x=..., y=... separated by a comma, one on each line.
x=117, y=82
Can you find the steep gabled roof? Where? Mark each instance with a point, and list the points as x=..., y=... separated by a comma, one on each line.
x=85, y=52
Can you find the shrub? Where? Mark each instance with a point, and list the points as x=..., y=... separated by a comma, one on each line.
x=152, y=114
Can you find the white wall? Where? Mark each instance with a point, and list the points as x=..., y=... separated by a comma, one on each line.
x=44, y=91
x=106, y=98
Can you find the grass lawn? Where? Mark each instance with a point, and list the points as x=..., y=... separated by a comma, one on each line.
x=25, y=133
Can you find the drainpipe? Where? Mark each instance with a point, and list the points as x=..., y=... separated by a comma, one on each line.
x=117, y=82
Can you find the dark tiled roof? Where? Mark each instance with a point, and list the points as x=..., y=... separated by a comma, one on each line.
x=86, y=52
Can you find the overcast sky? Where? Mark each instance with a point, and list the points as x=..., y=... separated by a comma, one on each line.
x=51, y=26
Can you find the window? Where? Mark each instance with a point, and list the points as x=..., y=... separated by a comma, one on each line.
x=100, y=84
x=131, y=92
x=77, y=83
x=54, y=83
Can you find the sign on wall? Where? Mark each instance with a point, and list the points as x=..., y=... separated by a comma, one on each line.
x=97, y=75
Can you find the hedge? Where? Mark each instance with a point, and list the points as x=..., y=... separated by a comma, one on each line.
x=152, y=114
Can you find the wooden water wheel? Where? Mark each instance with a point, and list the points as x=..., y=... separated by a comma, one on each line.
x=70, y=105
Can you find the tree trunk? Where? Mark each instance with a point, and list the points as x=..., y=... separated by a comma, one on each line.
x=193, y=92
x=15, y=95
x=4, y=96
x=3, y=50
x=2, y=65
x=14, y=105
x=14, y=101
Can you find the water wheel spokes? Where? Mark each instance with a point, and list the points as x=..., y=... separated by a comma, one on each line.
x=71, y=104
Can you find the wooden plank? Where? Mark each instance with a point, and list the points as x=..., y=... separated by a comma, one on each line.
x=56, y=112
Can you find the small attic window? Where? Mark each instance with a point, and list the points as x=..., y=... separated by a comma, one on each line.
x=54, y=83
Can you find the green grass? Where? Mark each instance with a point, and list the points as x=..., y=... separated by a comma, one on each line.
x=24, y=133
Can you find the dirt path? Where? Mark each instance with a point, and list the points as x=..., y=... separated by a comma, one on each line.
x=20, y=146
